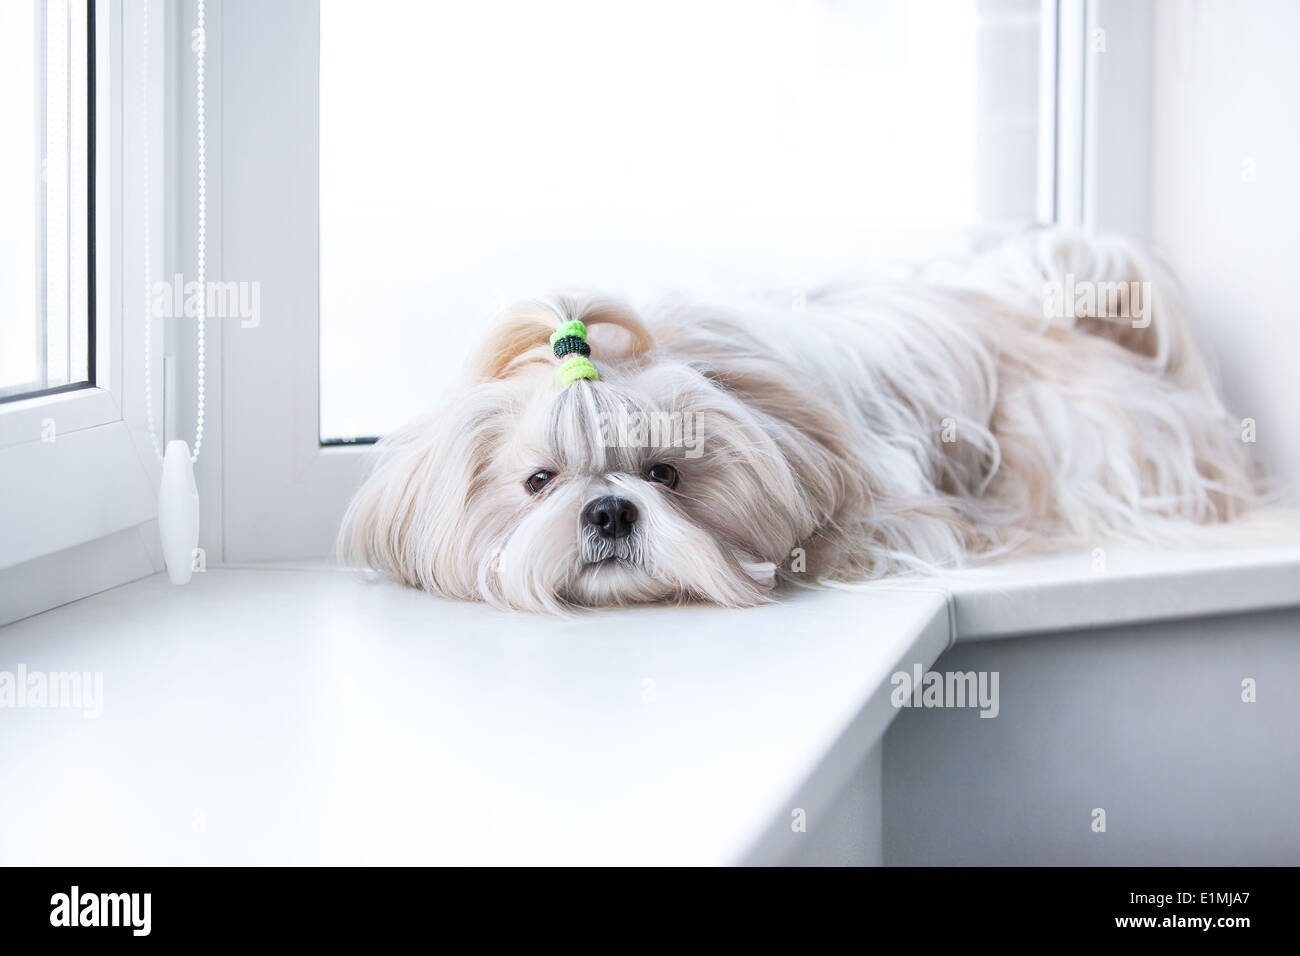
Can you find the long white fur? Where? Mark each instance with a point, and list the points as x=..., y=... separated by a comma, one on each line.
x=823, y=437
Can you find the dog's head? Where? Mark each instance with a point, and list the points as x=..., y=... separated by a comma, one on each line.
x=660, y=481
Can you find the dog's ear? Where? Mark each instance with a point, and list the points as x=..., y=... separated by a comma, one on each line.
x=519, y=340
x=413, y=516
x=522, y=338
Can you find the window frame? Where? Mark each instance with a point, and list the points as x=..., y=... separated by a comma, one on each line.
x=43, y=319
x=283, y=490
x=25, y=405
x=51, y=507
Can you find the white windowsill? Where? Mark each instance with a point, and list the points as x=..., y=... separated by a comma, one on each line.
x=313, y=717
x=1235, y=569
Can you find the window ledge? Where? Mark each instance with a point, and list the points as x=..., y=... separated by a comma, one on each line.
x=309, y=717
x=1233, y=569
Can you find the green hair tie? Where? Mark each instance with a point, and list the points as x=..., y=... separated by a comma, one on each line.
x=572, y=328
x=570, y=338
x=577, y=367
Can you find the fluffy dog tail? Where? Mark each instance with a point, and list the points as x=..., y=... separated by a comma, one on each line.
x=1106, y=355
x=1102, y=285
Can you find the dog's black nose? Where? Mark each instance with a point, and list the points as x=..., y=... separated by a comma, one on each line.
x=612, y=517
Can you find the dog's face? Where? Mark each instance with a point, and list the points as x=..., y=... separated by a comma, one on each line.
x=653, y=483
x=637, y=488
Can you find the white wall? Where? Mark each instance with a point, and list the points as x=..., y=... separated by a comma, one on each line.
x=1144, y=721
x=1226, y=196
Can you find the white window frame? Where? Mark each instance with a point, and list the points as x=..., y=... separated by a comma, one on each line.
x=90, y=481
x=283, y=492
x=1096, y=175
x=79, y=510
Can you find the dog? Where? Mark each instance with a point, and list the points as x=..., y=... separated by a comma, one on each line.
x=1041, y=395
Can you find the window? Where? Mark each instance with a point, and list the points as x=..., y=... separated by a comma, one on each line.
x=401, y=170
x=46, y=198
x=475, y=154
x=75, y=486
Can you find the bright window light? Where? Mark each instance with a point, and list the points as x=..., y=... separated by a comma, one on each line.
x=476, y=154
x=44, y=192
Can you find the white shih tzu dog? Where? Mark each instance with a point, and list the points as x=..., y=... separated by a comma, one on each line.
x=1046, y=394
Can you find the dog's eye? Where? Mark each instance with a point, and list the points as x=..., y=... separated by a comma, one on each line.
x=538, y=481
x=663, y=474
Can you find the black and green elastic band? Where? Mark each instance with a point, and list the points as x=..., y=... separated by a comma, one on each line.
x=570, y=339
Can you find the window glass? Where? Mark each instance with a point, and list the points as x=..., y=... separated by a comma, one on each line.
x=473, y=154
x=45, y=316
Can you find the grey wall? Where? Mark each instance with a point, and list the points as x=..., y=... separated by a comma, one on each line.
x=1145, y=722
x=848, y=832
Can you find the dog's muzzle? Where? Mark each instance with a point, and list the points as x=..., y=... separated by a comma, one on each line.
x=610, y=516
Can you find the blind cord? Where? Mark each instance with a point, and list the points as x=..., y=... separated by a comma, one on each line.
x=200, y=48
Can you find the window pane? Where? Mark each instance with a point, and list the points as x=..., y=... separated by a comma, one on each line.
x=44, y=192
x=476, y=154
